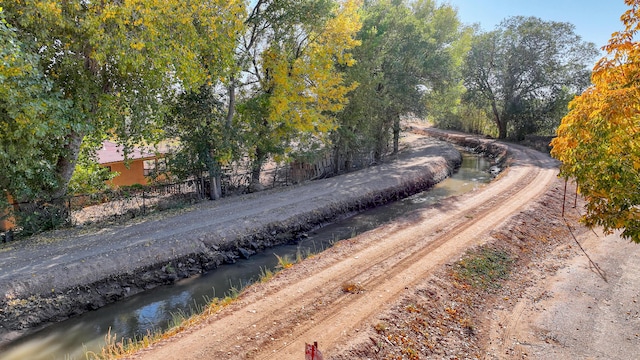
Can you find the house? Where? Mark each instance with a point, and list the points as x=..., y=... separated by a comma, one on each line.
x=7, y=221
x=139, y=166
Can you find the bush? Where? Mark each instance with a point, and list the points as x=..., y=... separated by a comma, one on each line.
x=33, y=218
x=483, y=267
x=89, y=177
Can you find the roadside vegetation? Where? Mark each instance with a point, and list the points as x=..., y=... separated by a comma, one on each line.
x=483, y=268
x=598, y=141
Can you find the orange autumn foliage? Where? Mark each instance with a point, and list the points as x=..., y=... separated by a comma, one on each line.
x=598, y=142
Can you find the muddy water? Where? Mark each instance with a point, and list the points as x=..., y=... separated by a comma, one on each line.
x=155, y=309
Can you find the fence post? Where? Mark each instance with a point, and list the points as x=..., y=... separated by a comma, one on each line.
x=311, y=352
x=69, y=215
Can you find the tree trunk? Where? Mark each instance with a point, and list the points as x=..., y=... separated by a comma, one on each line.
x=336, y=158
x=396, y=132
x=232, y=103
x=67, y=164
x=202, y=190
x=215, y=187
x=379, y=145
x=215, y=176
x=256, y=170
x=502, y=129
x=500, y=121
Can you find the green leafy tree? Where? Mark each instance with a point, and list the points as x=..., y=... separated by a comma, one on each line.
x=202, y=118
x=205, y=141
x=409, y=56
x=598, y=142
x=524, y=67
x=89, y=176
x=29, y=145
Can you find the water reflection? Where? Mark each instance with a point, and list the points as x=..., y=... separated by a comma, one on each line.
x=154, y=309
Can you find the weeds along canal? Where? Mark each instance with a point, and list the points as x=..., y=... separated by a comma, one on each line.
x=157, y=308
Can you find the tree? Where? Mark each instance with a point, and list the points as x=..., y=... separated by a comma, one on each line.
x=598, y=142
x=291, y=87
x=205, y=141
x=523, y=67
x=89, y=176
x=118, y=64
x=409, y=54
x=29, y=138
x=200, y=120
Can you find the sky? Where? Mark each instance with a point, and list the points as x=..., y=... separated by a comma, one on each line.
x=594, y=20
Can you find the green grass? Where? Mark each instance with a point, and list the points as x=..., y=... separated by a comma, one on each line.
x=284, y=262
x=266, y=274
x=483, y=268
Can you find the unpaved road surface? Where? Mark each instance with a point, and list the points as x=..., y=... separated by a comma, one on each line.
x=307, y=303
x=584, y=310
x=33, y=266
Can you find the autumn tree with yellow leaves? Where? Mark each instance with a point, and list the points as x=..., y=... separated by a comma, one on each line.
x=598, y=142
x=291, y=86
x=115, y=65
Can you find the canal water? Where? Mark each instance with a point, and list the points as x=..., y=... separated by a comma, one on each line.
x=154, y=309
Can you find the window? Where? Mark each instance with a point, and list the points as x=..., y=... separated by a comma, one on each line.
x=153, y=167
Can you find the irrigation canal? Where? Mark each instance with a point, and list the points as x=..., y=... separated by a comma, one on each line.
x=155, y=309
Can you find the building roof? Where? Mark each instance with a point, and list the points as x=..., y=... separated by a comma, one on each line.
x=113, y=153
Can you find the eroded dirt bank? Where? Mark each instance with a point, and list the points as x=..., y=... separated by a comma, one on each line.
x=61, y=274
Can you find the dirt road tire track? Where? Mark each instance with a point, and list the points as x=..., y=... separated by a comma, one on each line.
x=306, y=303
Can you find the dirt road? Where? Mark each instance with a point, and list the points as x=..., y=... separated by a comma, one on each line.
x=309, y=303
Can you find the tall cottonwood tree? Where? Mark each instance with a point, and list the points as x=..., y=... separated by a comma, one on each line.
x=118, y=63
x=201, y=119
x=409, y=54
x=598, y=142
x=290, y=87
x=525, y=65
